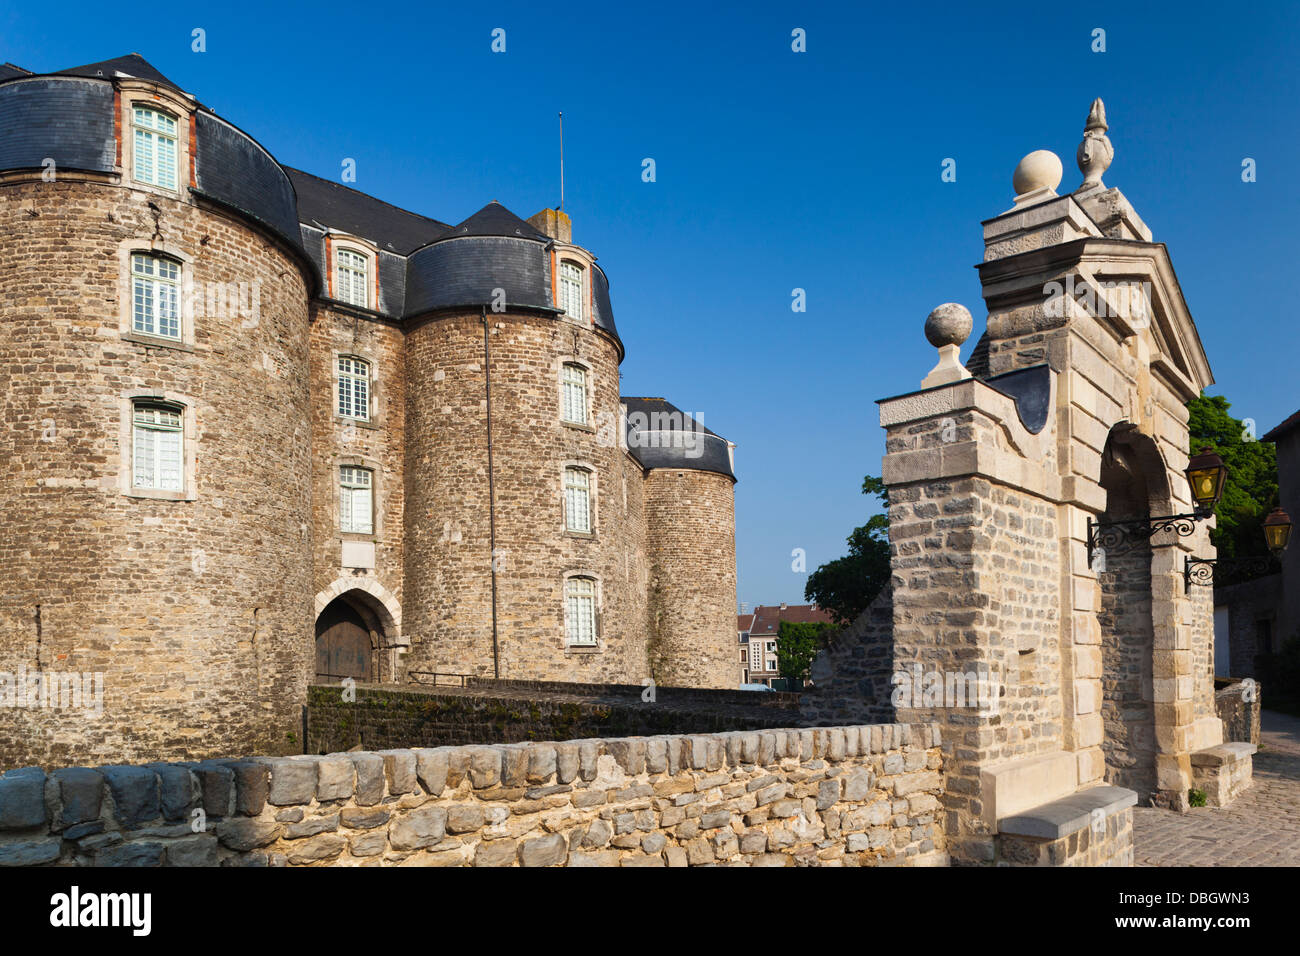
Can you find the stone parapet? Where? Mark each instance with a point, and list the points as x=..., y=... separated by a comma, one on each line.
x=846, y=796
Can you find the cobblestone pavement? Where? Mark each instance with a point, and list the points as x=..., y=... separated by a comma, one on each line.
x=1260, y=828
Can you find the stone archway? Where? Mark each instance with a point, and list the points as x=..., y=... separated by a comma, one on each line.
x=1132, y=621
x=347, y=609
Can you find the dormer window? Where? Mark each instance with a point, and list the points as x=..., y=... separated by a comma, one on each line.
x=571, y=297
x=352, y=278
x=154, y=147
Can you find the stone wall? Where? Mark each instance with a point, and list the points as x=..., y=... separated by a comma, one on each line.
x=512, y=711
x=852, y=674
x=1238, y=705
x=846, y=796
x=376, y=444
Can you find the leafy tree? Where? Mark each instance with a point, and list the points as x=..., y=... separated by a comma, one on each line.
x=846, y=586
x=797, y=643
x=1250, y=491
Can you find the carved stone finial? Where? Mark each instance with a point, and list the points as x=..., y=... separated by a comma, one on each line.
x=947, y=327
x=1095, y=152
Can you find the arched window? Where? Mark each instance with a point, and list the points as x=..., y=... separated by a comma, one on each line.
x=575, y=394
x=157, y=446
x=354, y=388
x=352, y=277
x=154, y=147
x=155, y=295
x=577, y=500
x=356, y=500
x=580, y=611
x=571, y=297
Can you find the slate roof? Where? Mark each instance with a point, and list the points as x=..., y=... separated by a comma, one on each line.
x=768, y=618
x=651, y=407
x=1288, y=425
x=133, y=64
x=8, y=71
x=495, y=219
x=349, y=210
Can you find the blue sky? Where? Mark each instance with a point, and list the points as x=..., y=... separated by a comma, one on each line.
x=776, y=170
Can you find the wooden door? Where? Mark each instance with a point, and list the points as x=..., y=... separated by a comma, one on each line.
x=342, y=645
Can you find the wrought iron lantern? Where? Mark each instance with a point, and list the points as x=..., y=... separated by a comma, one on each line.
x=1222, y=571
x=1206, y=473
x=1277, y=530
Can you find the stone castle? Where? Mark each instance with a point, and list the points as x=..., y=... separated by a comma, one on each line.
x=263, y=429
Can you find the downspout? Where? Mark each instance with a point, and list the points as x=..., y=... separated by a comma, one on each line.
x=492, y=517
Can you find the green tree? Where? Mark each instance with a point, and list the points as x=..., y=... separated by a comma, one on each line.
x=1251, y=489
x=846, y=586
x=797, y=643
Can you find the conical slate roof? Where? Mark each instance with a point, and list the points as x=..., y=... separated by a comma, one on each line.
x=495, y=219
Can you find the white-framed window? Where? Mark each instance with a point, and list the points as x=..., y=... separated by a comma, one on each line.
x=154, y=147
x=755, y=656
x=155, y=295
x=356, y=500
x=352, y=277
x=571, y=297
x=577, y=499
x=354, y=388
x=157, y=446
x=580, y=611
x=574, y=379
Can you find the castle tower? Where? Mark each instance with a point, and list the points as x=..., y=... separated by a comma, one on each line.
x=525, y=561
x=153, y=350
x=690, y=529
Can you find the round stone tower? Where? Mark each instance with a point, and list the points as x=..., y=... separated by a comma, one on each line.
x=524, y=534
x=153, y=467
x=690, y=534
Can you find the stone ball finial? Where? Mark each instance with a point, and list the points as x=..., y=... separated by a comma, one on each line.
x=1041, y=169
x=949, y=324
x=1095, y=153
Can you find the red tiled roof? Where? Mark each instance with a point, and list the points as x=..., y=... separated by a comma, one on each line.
x=1286, y=426
x=744, y=621
x=768, y=618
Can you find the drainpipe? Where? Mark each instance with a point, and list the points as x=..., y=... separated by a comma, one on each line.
x=492, y=517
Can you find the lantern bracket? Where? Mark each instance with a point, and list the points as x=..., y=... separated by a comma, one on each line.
x=1121, y=537
x=1223, y=571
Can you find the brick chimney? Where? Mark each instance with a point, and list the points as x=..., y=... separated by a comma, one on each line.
x=555, y=223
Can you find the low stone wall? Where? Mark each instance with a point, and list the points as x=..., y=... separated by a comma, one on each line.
x=487, y=711
x=854, y=796
x=1237, y=705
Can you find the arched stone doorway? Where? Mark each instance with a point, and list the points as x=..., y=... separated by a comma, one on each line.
x=1134, y=478
x=349, y=605
x=345, y=644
